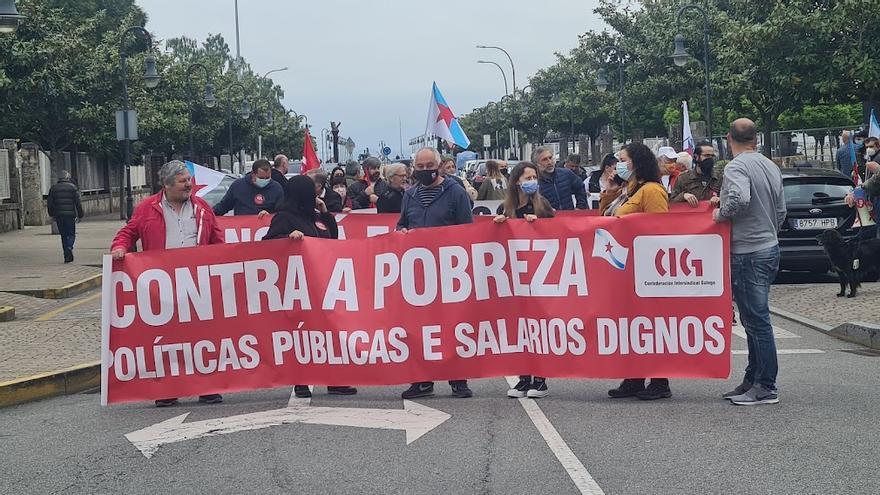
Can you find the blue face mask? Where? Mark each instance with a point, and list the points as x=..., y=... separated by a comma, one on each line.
x=261, y=183
x=623, y=171
x=530, y=187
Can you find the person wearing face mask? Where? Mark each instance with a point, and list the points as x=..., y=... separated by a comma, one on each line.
x=669, y=169
x=524, y=200
x=305, y=215
x=254, y=194
x=701, y=183
x=434, y=202
x=645, y=194
x=870, y=156
x=341, y=202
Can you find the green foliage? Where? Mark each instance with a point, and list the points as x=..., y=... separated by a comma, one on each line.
x=60, y=85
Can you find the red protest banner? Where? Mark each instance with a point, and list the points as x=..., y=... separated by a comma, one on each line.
x=643, y=295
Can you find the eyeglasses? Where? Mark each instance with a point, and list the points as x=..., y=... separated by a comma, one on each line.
x=399, y=175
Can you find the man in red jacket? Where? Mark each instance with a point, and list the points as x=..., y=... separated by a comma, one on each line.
x=173, y=218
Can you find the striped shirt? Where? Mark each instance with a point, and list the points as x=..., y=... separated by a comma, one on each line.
x=427, y=195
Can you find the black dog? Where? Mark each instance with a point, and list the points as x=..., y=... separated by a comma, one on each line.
x=842, y=254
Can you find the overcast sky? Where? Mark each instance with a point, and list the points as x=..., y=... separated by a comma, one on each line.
x=370, y=63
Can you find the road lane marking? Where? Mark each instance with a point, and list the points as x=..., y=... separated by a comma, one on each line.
x=780, y=333
x=572, y=465
x=415, y=419
x=56, y=312
x=784, y=351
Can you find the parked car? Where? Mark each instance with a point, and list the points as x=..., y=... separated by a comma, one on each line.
x=215, y=195
x=814, y=200
x=478, y=173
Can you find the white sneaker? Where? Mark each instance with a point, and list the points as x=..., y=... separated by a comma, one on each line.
x=520, y=389
x=538, y=390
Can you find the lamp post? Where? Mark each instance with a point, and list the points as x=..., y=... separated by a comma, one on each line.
x=324, y=133
x=270, y=114
x=244, y=112
x=286, y=124
x=209, y=99
x=602, y=84
x=9, y=17
x=512, y=68
x=151, y=80
x=499, y=68
x=681, y=56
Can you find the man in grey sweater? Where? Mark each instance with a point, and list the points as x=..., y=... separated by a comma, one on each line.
x=752, y=200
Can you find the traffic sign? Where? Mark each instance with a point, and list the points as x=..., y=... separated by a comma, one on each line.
x=386, y=150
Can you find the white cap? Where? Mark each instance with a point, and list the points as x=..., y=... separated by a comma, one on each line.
x=667, y=152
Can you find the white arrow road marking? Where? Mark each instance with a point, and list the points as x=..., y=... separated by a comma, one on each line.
x=414, y=418
x=572, y=465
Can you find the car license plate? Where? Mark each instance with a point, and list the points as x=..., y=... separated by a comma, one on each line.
x=815, y=223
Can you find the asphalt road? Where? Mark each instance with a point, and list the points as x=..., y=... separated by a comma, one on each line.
x=821, y=438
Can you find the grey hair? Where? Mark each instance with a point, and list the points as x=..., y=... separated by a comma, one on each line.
x=434, y=152
x=171, y=170
x=539, y=151
x=64, y=175
x=392, y=169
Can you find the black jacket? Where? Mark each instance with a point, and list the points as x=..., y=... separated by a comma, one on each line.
x=390, y=200
x=332, y=200
x=278, y=177
x=285, y=222
x=64, y=200
x=359, y=197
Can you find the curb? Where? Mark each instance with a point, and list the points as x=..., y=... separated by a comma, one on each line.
x=63, y=292
x=45, y=385
x=865, y=334
x=7, y=313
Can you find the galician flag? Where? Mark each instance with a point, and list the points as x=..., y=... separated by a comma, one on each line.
x=687, y=142
x=874, y=127
x=605, y=246
x=310, y=158
x=442, y=122
x=204, y=179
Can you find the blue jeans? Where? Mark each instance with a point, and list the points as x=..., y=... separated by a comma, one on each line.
x=67, y=229
x=752, y=275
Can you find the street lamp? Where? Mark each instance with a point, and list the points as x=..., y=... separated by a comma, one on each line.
x=602, y=84
x=512, y=68
x=499, y=68
x=209, y=99
x=681, y=56
x=270, y=114
x=244, y=112
x=151, y=80
x=9, y=17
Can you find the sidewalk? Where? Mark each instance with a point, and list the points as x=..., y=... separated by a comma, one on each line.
x=817, y=305
x=48, y=335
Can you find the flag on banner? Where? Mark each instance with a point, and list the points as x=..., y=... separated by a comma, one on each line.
x=687, y=142
x=873, y=127
x=443, y=123
x=204, y=179
x=310, y=158
x=605, y=246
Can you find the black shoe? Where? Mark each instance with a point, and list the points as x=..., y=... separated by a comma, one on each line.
x=521, y=388
x=341, y=390
x=210, y=399
x=416, y=390
x=166, y=402
x=628, y=388
x=68, y=256
x=302, y=391
x=460, y=389
x=538, y=390
x=657, y=389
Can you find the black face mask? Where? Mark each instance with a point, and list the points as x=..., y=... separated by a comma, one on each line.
x=426, y=177
x=505, y=172
x=374, y=176
x=707, y=166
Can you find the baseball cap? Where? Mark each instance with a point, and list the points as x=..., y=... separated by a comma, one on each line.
x=668, y=152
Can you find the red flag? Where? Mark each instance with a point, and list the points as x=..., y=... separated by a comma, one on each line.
x=310, y=158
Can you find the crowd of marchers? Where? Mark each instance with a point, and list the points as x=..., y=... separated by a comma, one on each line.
x=430, y=194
